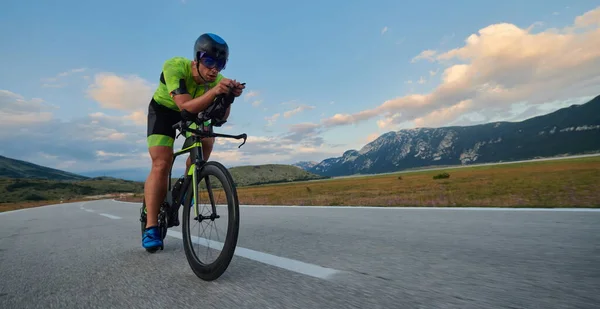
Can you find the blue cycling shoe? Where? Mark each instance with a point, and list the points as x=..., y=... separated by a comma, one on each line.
x=151, y=239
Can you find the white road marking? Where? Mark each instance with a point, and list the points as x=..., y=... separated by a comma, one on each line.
x=110, y=216
x=281, y=262
x=410, y=208
x=429, y=208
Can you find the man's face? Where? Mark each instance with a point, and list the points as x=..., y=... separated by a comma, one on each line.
x=210, y=68
x=209, y=74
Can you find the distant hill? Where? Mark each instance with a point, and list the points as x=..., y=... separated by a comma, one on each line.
x=25, y=181
x=243, y=175
x=270, y=173
x=134, y=173
x=31, y=189
x=567, y=131
x=13, y=168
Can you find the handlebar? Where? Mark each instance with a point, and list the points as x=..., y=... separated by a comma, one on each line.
x=199, y=119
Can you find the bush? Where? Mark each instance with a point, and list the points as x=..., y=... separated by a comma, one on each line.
x=441, y=176
x=34, y=196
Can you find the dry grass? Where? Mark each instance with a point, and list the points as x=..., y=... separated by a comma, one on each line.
x=561, y=183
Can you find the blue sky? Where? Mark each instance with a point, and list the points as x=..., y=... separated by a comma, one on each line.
x=322, y=59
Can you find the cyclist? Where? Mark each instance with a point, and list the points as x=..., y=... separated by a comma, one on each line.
x=184, y=84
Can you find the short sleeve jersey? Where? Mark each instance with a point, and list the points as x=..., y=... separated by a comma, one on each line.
x=177, y=78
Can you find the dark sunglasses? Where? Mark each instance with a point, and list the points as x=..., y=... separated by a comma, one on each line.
x=211, y=62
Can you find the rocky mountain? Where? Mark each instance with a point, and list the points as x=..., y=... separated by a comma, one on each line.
x=305, y=165
x=570, y=130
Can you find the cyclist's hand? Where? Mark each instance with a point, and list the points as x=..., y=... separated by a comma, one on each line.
x=223, y=86
x=237, y=89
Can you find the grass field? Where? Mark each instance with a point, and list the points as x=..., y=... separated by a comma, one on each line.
x=557, y=183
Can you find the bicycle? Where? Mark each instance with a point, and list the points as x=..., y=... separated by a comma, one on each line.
x=182, y=192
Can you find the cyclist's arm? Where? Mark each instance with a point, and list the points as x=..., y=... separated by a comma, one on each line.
x=175, y=80
x=196, y=105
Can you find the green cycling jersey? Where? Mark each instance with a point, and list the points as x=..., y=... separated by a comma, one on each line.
x=176, y=78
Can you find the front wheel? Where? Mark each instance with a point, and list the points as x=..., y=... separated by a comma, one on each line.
x=214, y=186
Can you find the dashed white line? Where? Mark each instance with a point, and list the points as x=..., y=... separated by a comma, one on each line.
x=277, y=261
x=110, y=216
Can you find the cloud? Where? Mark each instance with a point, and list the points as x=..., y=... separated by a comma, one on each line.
x=271, y=120
x=251, y=94
x=51, y=82
x=296, y=110
x=126, y=93
x=371, y=137
x=426, y=54
x=499, y=66
x=95, y=141
x=16, y=111
x=284, y=149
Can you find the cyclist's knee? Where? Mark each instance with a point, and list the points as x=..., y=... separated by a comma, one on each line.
x=208, y=141
x=161, y=165
x=161, y=158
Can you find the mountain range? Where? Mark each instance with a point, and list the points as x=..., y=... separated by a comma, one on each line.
x=567, y=131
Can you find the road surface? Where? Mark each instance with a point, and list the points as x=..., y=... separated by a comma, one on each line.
x=88, y=255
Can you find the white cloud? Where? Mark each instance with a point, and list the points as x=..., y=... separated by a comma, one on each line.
x=251, y=94
x=126, y=93
x=296, y=110
x=63, y=74
x=426, y=54
x=499, y=66
x=272, y=149
x=16, y=111
x=96, y=141
x=271, y=120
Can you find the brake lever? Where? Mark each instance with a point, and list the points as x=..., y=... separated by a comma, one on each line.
x=244, y=136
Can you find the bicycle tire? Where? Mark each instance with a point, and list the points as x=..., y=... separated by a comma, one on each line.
x=214, y=270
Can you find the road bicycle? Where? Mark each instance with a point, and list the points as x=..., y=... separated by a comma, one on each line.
x=185, y=191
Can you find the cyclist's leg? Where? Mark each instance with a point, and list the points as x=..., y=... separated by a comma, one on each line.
x=155, y=187
x=160, y=138
x=207, y=147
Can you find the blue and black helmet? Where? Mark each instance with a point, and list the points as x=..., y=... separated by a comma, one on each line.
x=211, y=45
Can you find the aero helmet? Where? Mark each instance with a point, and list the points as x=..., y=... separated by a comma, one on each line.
x=211, y=45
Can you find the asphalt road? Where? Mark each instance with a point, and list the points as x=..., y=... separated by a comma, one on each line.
x=89, y=255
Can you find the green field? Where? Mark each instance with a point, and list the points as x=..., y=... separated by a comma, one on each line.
x=19, y=190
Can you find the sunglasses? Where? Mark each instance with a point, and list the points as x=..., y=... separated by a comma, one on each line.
x=211, y=62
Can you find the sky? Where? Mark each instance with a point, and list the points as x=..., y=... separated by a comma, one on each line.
x=321, y=78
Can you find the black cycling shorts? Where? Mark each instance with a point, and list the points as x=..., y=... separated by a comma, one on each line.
x=160, y=122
